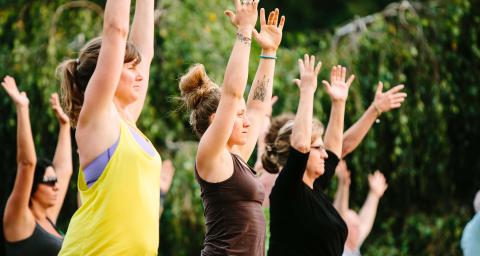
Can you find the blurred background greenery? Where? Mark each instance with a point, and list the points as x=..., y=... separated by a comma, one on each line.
x=427, y=149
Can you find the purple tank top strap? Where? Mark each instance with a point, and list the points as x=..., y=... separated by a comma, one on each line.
x=94, y=170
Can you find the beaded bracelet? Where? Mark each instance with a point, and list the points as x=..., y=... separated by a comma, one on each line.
x=268, y=57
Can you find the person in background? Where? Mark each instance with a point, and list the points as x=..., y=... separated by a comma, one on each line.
x=40, y=186
x=470, y=242
x=359, y=224
x=166, y=178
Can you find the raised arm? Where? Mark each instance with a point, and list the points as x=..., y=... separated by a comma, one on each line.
x=301, y=137
x=338, y=91
x=98, y=101
x=213, y=143
x=383, y=102
x=343, y=191
x=141, y=36
x=260, y=95
x=17, y=213
x=62, y=160
x=378, y=185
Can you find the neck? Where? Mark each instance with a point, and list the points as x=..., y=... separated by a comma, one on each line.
x=39, y=212
x=309, y=179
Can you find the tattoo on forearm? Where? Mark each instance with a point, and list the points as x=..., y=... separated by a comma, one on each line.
x=244, y=39
x=261, y=89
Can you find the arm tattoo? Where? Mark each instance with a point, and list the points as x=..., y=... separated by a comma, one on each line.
x=244, y=39
x=261, y=89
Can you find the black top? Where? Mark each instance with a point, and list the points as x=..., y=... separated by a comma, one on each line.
x=233, y=213
x=39, y=243
x=303, y=221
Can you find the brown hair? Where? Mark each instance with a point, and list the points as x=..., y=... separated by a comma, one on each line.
x=276, y=151
x=201, y=96
x=74, y=75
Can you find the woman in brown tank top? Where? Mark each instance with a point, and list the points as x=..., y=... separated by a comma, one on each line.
x=228, y=129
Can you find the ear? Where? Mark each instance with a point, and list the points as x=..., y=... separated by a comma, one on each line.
x=210, y=119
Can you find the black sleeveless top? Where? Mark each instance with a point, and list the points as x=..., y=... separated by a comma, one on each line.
x=39, y=243
x=233, y=213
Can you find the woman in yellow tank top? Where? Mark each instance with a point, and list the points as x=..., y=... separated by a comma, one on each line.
x=104, y=91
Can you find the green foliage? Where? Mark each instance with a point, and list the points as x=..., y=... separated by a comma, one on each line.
x=426, y=149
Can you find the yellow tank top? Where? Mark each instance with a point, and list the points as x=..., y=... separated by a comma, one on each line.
x=120, y=211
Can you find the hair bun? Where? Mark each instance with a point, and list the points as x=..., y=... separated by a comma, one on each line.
x=194, y=85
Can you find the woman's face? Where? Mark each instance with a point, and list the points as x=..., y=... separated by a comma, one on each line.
x=316, y=159
x=131, y=85
x=241, y=126
x=46, y=193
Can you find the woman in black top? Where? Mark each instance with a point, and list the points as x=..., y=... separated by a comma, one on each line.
x=40, y=186
x=302, y=220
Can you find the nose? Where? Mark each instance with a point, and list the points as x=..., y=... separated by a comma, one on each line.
x=139, y=76
x=324, y=154
x=55, y=187
x=246, y=122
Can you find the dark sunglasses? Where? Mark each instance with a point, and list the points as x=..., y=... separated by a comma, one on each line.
x=49, y=181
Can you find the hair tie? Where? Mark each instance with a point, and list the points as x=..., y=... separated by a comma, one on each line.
x=77, y=60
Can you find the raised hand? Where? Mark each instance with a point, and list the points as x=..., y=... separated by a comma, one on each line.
x=166, y=176
x=270, y=34
x=308, y=73
x=338, y=88
x=245, y=15
x=20, y=98
x=57, y=109
x=377, y=183
x=390, y=99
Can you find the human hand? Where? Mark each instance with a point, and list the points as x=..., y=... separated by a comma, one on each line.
x=270, y=34
x=308, y=73
x=388, y=100
x=377, y=183
x=57, y=109
x=337, y=88
x=19, y=98
x=166, y=176
x=245, y=15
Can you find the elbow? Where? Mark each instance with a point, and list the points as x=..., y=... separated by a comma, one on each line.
x=28, y=163
x=115, y=27
x=301, y=146
x=346, y=150
x=230, y=92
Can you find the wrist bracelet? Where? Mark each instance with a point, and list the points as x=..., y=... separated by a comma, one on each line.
x=268, y=57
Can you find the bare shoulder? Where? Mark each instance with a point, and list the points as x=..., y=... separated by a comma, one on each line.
x=215, y=170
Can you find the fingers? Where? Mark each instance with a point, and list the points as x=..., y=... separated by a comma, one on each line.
x=275, y=18
x=343, y=73
x=306, y=61
x=312, y=62
x=317, y=69
x=350, y=79
x=333, y=74
x=301, y=66
x=237, y=3
x=328, y=87
x=282, y=23
x=396, y=89
x=297, y=81
x=263, y=22
x=379, y=88
x=271, y=16
x=256, y=35
x=274, y=100
x=231, y=15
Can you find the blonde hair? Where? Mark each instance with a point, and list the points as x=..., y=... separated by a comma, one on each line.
x=276, y=152
x=75, y=74
x=201, y=96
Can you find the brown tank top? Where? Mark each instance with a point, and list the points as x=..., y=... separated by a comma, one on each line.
x=233, y=213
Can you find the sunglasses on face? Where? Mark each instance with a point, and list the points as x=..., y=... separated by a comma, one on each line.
x=49, y=181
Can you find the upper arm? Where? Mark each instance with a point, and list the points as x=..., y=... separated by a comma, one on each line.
x=330, y=165
x=63, y=177
x=18, y=201
x=291, y=176
x=214, y=140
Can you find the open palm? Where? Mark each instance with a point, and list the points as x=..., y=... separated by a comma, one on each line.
x=20, y=98
x=57, y=108
x=338, y=88
x=270, y=34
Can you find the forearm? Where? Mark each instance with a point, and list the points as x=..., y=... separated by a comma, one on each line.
x=62, y=159
x=25, y=147
x=355, y=134
x=338, y=196
x=261, y=92
x=142, y=32
x=236, y=73
x=367, y=215
x=334, y=132
x=302, y=127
